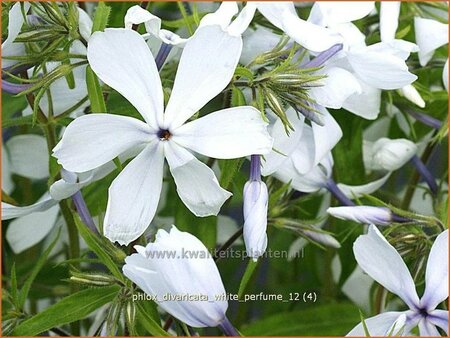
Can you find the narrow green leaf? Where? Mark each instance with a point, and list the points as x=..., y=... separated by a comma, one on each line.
x=100, y=247
x=37, y=267
x=70, y=309
x=247, y=275
x=101, y=17
x=147, y=321
x=95, y=93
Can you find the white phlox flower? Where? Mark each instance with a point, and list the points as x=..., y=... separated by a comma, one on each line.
x=122, y=60
x=383, y=263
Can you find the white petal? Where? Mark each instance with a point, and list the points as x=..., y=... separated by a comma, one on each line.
x=326, y=136
x=222, y=16
x=309, y=35
x=378, y=325
x=381, y=70
x=242, y=21
x=29, y=156
x=283, y=144
x=133, y=196
x=399, y=48
x=256, y=200
x=122, y=59
x=430, y=35
x=367, y=104
x=411, y=93
x=228, y=133
x=427, y=329
x=390, y=10
x=15, y=23
x=384, y=264
x=136, y=15
x=436, y=277
x=338, y=86
x=85, y=24
x=205, y=69
x=312, y=181
x=26, y=231
x=445, y=75
x=303, y=156
x=196, y=183
x=344, y=11
x=68, y=186
x=7, y=182
x=10, y=211
x=92, y=140
x=356, y=191
x=439, y=318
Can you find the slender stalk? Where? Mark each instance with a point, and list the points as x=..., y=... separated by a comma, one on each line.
x=425, y=173
x=162, y=55
x=332, y=187
x=83, y=211
x=415, y=178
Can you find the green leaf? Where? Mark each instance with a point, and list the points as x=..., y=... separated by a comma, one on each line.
x=95, y=93
x=101, y=247
x=148, y=322
x=37, y=267
x=317, y=320
x=229, y=169
x=247, y=275
x=101, y=17
x=70, y=309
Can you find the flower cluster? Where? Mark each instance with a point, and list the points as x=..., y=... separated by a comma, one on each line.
x=319, y=123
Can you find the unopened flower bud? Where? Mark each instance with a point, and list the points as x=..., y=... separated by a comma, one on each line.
x=179, y=273
x=390, y=154
x=256, y=199
x=363, y=214
x=411, y=93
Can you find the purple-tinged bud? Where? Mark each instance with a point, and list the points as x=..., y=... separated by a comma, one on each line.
x=363, y=214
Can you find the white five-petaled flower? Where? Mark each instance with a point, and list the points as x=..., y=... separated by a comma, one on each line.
x=177, y=265
x=383, y=263
x=122, y=59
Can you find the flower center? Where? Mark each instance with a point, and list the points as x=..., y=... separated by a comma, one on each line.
x=164, y=134
x=423, y=312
